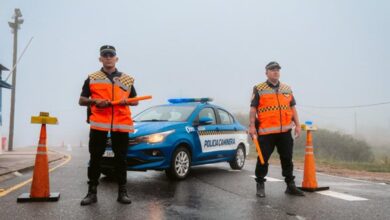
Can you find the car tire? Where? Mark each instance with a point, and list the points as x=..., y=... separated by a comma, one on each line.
x=180, y=164
x=239, y=159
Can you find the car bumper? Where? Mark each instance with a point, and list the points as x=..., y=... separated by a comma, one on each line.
x=142, y=156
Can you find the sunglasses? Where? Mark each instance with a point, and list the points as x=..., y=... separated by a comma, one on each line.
x=106, y=55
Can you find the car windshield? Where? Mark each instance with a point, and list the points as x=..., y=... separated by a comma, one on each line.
x=165, y=113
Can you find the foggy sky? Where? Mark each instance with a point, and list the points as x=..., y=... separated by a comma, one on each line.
x=332, y=53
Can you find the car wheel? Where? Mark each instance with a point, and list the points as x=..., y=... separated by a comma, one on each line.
x=180, y=164
x=239, y=159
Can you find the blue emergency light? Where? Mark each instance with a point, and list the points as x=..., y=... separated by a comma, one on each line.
x=308, y=123
x=184, y=100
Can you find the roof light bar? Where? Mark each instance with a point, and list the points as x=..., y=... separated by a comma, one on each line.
x=184, y=100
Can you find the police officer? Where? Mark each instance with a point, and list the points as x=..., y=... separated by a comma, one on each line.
x=99, y=89
x=272, y=117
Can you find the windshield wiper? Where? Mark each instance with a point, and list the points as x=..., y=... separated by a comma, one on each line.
x=152, y=120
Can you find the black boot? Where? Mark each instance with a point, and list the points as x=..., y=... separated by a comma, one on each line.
x=260, y=192
x=122, y=195
x=293, y=190
x=91, y=196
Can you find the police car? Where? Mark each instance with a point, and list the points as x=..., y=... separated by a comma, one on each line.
x=184, y=133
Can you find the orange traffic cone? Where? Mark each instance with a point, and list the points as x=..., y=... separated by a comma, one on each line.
x=309, y=182
x=40, y=188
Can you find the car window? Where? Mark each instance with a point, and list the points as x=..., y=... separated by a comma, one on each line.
x=208, y=112
x=225, y=117
x=165, y=113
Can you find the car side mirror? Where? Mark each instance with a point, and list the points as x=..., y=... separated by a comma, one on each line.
x=205, y=121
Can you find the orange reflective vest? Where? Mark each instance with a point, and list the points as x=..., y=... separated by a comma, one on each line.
x=274, y=112
x=116, y=117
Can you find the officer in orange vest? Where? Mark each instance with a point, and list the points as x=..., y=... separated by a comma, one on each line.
x=99, y=89
x=272, y=117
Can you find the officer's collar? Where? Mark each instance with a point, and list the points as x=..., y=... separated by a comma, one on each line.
x=272, y=85
x=113, y=73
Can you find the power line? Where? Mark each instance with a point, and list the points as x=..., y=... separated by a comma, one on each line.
x=321, y=116
x=20, y=57
x=345, y=107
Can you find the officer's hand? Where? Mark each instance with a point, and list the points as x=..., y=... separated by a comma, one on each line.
x=297, y=131
x=252, y=131
x=123, y=102
x=133, y=103
x=100, y=103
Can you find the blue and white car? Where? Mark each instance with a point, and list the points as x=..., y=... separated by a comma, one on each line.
x=184, y=133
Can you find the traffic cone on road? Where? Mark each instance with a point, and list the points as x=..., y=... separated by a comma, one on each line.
x=309, y=182
x=40, y=188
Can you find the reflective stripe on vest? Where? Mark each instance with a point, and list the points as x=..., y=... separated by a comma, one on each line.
x=273, y=130
x=116, y=127
x=100, y=125
x=100, y=81
x=122, y=127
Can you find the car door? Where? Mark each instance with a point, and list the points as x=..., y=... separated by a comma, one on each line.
x=205, y=134
x=227, y=133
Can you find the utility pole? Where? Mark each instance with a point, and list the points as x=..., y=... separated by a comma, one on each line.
x=356, y=128
x=15, y=26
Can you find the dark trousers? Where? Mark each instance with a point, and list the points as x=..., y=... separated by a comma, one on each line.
x=284, y=144
x=97, y=146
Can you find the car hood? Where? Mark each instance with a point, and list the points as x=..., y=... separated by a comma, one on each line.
x=145, y=128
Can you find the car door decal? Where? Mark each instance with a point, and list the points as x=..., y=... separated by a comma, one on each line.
x=212, y=141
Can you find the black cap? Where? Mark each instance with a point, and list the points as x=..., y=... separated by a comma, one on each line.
x=107, y=49
x=273, y=65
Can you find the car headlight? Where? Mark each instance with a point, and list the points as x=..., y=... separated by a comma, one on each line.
x=154, y=138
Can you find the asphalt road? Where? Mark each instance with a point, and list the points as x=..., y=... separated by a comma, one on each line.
x=210, y=192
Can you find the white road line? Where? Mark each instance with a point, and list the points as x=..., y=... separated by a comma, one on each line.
x=327, y=192
x=341, y=196
x=273, y=179
x=270, y=179
x=16, y=173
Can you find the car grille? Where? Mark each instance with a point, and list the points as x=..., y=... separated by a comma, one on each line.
x=135, y=161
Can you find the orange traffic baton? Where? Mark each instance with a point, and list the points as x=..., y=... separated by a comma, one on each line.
x=138, y=98
x=258, y=149
x=309, y=182
x=40, y=189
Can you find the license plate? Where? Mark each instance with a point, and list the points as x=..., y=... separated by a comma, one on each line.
x=108, y=153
